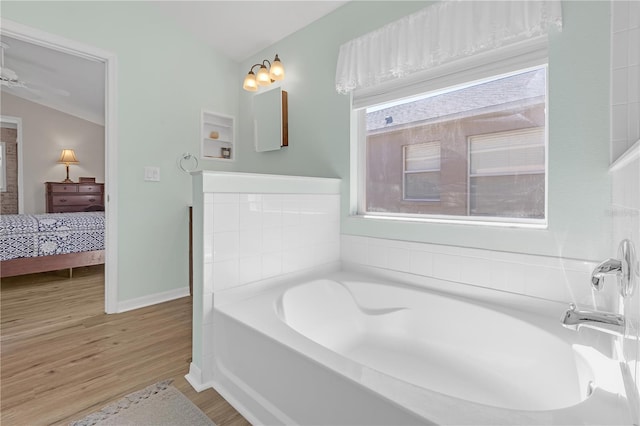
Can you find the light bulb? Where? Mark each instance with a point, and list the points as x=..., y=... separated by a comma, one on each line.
x=277, y=70
x=250, y=83
x=262, y=77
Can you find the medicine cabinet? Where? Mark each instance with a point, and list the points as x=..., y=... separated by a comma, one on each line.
x=271, y=126
x=218, y=137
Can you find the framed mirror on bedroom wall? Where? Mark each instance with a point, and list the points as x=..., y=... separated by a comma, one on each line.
x=271, y=122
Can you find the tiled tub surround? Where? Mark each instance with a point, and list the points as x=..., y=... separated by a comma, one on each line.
x=249, y=228
x=514, y=274
x=551, y=278
x=625, y=212
x=625, y=75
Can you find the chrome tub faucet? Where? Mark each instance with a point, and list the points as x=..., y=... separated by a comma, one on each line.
x=607, y=322
x=625, y=269
x=607, y=267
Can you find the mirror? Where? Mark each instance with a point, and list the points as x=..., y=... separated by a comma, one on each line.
x=270, y=124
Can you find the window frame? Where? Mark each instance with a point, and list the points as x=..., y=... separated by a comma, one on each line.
x=405, y=172
x=538, y=59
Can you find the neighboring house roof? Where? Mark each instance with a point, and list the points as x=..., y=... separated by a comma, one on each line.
x=525, y=88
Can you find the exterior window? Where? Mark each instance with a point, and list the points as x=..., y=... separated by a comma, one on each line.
x=475, y=152
x=506, y=174
x=422, y=171
x=3, y=167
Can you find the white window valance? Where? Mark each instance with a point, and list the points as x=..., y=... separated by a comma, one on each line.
x=438, y=34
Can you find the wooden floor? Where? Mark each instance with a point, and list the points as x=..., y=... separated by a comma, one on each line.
x=62, y=358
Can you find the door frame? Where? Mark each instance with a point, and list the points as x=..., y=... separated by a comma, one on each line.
x=109, y=59
x=18, y=123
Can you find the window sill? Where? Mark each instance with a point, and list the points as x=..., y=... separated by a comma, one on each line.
x=497, y=222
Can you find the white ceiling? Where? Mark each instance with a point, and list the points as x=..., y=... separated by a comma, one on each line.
x=242, y=28
x=237, y=28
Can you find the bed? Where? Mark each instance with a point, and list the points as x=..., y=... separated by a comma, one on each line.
x=31, y=243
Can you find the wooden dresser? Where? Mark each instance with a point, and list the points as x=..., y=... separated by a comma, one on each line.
x=74, y=197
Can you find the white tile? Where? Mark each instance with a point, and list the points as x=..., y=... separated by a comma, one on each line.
x=619, y=122
x=619, y=49
x=207, y=248
x=475, y=271
x=250, y=198
x=515, y=278
x=207, y=219
x=634, y=47
x=225, y=217
x=207, y=279
x=207, y=309
x=271, y=240
x=225, y=274
x=249, y=269
x=376, y=256
x=353, y=250
x=498, y=275
x=226, y=246
x=250, y=242
x=207, y=339
x=250, y=215
x=618, y=147
x=294, y=237
x=619, y=15
x=633, y=123
x=619, y=86
x=634, y=14
x=290, y=210
x=546, y=283
x=633, y=76
x=421, y=263
x=398, y=259
x=447, y=267
x=224, y=198
x=271, y=265
x=271, y=213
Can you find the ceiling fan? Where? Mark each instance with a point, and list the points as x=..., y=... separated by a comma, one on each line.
x=9, y=78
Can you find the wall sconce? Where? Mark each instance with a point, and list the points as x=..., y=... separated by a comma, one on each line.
x=68, y=157
x=265, y=76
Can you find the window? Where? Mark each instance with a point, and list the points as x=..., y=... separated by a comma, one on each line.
x=472, y=152
x=3, y=167
x=422, y=171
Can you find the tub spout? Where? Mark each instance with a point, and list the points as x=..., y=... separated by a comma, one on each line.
x=602, y=321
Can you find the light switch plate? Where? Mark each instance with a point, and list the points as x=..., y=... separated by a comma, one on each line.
x=152, y=174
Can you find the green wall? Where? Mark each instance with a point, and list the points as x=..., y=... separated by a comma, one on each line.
x=165, y=76
x=579, y=194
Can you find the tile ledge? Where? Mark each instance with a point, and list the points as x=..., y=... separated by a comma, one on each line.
x=628, y=156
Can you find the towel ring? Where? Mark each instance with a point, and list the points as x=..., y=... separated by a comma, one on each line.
x=186, y=160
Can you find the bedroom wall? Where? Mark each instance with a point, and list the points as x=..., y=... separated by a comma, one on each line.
x=45, y=132
x=165, y=76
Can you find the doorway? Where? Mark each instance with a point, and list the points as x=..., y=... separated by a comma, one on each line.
x=108, y=60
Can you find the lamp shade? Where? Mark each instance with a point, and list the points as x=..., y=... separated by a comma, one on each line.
x=276, y=72
x=250, y=83
x=68, y=157
x=262, y=77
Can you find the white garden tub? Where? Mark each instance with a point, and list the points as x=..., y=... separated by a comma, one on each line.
x=344, y=349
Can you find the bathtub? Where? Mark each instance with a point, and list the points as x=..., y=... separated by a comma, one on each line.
x=351, y=348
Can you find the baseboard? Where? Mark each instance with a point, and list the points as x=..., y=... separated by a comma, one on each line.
x=152, y=299
x=194, y=377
